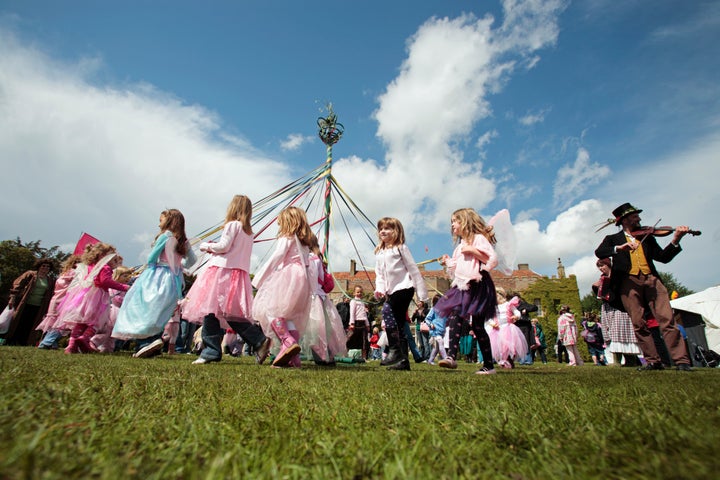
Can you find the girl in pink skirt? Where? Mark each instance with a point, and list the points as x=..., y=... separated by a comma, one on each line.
x=284, y=295
x=507, y=340
x=221, y=297
x=86, y=307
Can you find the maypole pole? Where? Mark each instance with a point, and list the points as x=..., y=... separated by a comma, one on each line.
x=329, y=131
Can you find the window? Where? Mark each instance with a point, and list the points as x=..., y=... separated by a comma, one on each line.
x=539, y=307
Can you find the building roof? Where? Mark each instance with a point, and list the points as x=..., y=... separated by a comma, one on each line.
x=365, y=275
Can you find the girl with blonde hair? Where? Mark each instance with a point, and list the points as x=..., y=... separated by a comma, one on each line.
x=221, y=297
x=86, y=307
x=471, y=297
x=283, y=299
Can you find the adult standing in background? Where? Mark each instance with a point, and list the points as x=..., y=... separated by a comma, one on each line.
x=617, y=326
x=30, y=298
x=638, y=285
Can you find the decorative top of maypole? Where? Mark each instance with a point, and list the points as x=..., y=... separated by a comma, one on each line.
x=330, y=130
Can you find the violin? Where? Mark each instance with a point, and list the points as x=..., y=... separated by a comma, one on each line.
x=643, y=232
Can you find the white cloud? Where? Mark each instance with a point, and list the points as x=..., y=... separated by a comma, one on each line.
x=108, y=159
x=294, y=141
x=574, y=180
x=484, y=140
x=533, y=118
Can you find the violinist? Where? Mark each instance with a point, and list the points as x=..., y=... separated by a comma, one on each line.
x=637, y=283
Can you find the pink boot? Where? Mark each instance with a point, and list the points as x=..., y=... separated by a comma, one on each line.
x=84, y=343
x=72, y=346
x=295, y=361
x=289, y=347
x=75, y=335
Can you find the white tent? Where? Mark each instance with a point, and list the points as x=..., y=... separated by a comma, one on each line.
x=707, y=305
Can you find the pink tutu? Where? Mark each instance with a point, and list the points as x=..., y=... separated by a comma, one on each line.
x=512, y=342
x=89, y=306
x=324, y=332
x=285, y=294
x=226, y=292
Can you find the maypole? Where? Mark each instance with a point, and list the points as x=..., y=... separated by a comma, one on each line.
x=329, y=131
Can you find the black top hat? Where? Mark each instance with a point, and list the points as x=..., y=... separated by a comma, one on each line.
x=623, y=211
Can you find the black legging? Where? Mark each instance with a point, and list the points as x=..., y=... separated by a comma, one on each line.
x=455, y=323
x=399, y=302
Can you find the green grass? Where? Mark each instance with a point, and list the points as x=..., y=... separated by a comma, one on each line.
x=93, y=416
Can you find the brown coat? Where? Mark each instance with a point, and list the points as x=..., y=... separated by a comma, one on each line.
x=22, y=286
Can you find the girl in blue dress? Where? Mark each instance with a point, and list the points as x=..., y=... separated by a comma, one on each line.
x=150, y=302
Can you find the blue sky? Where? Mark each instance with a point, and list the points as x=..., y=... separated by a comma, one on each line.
x=559, y=111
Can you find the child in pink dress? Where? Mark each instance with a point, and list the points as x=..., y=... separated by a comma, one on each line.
x=567, y=333
x=507, y=340
x=471, y=297
x=221, y=297
x=87, y=305
x=284, y=295
x=52, y=334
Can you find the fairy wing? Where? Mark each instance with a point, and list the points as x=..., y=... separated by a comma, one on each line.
x=506, y=246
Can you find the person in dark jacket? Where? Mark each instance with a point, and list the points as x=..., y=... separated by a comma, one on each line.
x=30, y=298
x=637, y=283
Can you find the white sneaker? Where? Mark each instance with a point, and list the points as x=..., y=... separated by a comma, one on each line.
x=203, y=361
x=486, y=371
x=150, y=349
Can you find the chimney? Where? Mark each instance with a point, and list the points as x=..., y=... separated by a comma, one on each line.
x=353, y=268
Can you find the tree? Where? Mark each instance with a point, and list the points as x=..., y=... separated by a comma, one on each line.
x=590, y=303
x=17, y=257
x=672, y=284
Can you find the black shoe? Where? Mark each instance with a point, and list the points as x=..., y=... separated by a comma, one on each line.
x=651, y=366
x=401, y=365
x=684, y=367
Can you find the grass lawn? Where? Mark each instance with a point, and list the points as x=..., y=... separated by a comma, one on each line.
x=94, y=416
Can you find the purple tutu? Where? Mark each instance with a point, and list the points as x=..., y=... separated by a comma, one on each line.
x=478, y=301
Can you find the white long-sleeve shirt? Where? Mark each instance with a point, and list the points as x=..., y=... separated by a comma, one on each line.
x=358, y=313
x=395, y=269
